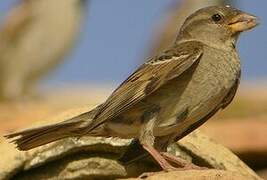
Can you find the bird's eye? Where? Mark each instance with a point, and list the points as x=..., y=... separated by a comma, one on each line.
x=216, y=17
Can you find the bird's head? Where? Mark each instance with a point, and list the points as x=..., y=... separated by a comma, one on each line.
x=219, y=25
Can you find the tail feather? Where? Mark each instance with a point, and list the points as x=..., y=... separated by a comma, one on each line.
x=35, y=137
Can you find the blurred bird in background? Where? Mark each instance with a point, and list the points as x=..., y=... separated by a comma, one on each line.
x=35, y=36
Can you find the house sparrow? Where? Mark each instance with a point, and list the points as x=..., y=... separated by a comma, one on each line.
x=35, y=36
x=168, y=96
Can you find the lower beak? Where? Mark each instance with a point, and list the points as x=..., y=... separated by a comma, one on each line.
x=243, y=22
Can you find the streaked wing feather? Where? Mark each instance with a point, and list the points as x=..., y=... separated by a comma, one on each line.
x=148, y=78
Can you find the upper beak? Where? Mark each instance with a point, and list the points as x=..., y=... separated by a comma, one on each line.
x=243, y=22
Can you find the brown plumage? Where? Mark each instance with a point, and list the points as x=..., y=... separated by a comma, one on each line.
x=168, y=96
x=35, y=137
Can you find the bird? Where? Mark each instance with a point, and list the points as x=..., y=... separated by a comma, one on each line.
x=35, y=36
x=168, y=96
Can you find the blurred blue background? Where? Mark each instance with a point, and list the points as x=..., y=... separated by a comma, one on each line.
x=116, y=37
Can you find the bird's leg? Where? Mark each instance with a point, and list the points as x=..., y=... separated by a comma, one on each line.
x=147, y=141
x=161, y=144
x=159, y=158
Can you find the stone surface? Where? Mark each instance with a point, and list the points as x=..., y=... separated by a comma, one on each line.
x=262, y=173
x=207, y=151
x=245, y=137
x=197, y=175
x=11, y=162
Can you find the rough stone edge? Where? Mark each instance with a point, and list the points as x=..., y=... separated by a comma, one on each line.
x=195, y=144
x=195, y=175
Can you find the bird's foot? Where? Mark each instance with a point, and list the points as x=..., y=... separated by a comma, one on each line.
x=183, y=164
x=164, y=158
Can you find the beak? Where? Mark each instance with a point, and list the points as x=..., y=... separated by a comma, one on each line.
x=243, y=22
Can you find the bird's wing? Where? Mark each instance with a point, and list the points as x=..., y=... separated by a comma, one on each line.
x=148, y=78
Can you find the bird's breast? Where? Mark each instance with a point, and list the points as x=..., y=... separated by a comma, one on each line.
x=201, y=89
x=215, y=75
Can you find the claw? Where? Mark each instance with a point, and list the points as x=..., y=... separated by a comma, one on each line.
x=184, y=165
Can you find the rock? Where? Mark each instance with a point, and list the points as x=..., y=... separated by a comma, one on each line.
x=11, y=160
x=262, y=173
x=206, y=151
x=250, y=134
x=89, y=157
x=196, y=175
